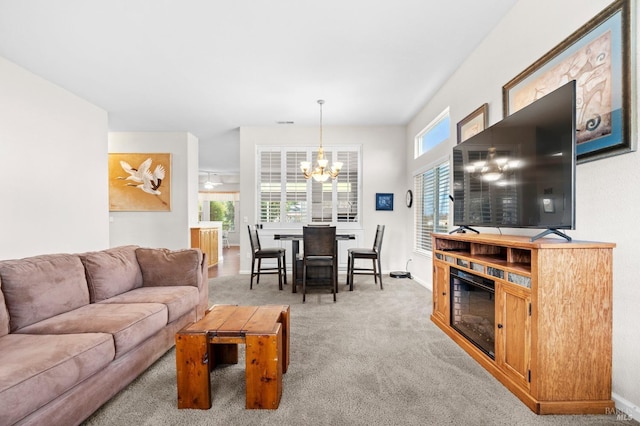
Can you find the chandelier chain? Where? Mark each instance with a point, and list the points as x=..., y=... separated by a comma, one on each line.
x=321, y=172
x=320, y=101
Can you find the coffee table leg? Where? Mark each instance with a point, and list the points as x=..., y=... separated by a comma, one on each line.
x=264, y=369
x=284, y=320
x=192, y=371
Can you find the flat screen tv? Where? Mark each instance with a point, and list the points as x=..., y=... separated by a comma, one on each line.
x=520, y=172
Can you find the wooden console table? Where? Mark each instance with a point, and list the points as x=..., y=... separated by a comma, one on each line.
x=553, y=315
x=214, y=340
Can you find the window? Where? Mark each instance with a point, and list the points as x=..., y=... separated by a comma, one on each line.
x=432, y=205
x=219, y=207
x=286, y=197
x=347, y=188
x=270, y=186
x=295, y=188
x=435, y=133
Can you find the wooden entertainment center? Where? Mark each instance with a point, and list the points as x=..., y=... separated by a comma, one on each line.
x=553, y=315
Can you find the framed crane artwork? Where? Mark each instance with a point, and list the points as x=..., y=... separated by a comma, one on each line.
x=139, y=182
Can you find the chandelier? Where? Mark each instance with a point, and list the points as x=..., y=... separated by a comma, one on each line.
x=320, y=173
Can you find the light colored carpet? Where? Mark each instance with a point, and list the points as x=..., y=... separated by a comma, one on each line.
x=372, y=358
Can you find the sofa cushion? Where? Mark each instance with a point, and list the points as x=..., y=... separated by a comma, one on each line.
x=179, y=300
x=130, y=323
x=111, y=272
x=40, y=287
x=4, y=314
x=163, y=267
x=38, y=368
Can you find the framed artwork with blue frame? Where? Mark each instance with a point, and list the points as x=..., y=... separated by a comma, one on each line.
x=384, y=201
x=598, y=57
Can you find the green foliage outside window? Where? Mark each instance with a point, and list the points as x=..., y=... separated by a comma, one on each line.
x=223, y=211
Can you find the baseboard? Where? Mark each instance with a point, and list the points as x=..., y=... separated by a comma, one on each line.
x=422, y=283
x=626, y=410
x=342, y=273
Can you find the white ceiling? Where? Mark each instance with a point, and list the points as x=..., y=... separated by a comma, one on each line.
x=209, y=66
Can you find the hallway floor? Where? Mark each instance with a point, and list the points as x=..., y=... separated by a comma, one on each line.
x=229, y=266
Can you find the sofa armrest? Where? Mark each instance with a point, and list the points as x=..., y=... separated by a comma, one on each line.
x=164, y=267
x=203, y=287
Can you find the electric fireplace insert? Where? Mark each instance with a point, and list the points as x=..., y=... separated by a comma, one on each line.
x=473, y=309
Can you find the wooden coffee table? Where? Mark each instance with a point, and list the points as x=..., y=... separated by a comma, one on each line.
x=264, y=330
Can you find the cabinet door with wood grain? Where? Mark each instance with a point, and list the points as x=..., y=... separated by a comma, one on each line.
x=206, y=239
x=513, y=332
x=441, y=291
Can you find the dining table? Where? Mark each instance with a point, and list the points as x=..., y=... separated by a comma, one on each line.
x=295, y=250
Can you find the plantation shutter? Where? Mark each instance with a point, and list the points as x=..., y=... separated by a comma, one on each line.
x=296, y=188
x=270, y=186
x=443, y=205
x=347, y=187
x=432, y=205
x=286, y=197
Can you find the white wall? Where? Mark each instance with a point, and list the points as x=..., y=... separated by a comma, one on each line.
x=607, y=197
x=193, y=158
x=160, y=229
x=53, y=156
x=383, y=171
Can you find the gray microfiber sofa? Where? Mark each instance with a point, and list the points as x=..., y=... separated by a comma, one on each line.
x=77, y=328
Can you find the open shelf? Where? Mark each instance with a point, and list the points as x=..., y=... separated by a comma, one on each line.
x=452, y=245
x=522, y=256
x=491, y=250
x=480, y=257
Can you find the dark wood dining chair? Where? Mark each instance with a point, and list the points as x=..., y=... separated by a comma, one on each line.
x=319, y=252
x=366, y=253
x=258, y=253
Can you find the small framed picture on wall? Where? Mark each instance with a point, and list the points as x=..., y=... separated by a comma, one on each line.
x=384, y=201
x=473, y=123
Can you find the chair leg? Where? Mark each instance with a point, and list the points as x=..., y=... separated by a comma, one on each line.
x=349, y=271
x=279, y=273
x=334, y=273
x=375, y=273
x=253, y=265
x=350, y=267
x=380, y=272
x=259, y=268
x=334, y=283
x=284, y=266
x=304, y=282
